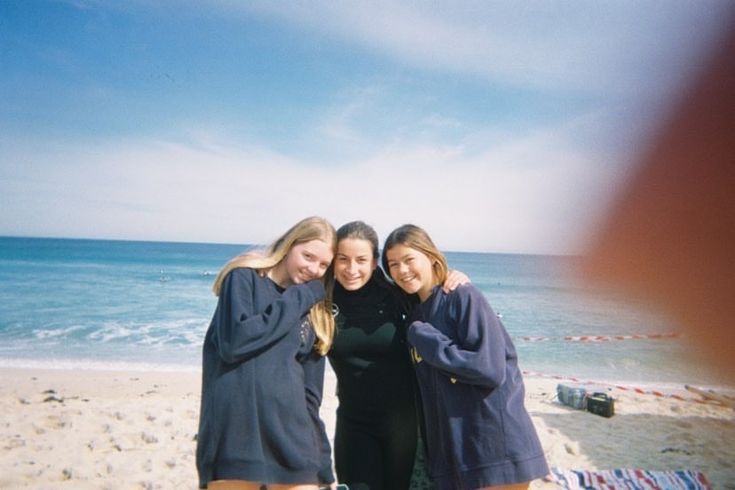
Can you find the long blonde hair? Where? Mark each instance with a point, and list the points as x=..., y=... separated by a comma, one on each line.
x=306, y=230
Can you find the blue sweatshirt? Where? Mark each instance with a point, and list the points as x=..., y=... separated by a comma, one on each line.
x=262, y=386
x=477, y=428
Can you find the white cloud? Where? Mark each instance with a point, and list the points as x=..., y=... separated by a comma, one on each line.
x=523, y=195
x=386, y=157
x=615, y=47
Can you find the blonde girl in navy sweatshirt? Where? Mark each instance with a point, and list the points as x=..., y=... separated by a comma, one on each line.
x=263, y=367
x=479, y=434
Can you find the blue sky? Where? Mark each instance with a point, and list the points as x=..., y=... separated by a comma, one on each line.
x=497, y=126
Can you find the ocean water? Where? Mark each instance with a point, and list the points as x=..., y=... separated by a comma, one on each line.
x=147, y=305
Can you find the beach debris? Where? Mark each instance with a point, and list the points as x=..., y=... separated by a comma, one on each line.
x=24, y=401
x=631, y=389
x=56, y=422
x=712, y=395
x=677, y=450
x=572, y=448
x=15, y=442
x=66, y=474
x=52, y=396
x=148, y=438
x=122, y=443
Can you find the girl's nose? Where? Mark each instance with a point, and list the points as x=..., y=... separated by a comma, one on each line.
x=314, y=270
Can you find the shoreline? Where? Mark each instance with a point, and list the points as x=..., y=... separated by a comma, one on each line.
x=68, y=364
x=92, y=428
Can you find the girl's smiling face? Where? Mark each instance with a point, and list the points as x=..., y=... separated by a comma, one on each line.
x=303, y=263
x=411, y=270
x=354, y=263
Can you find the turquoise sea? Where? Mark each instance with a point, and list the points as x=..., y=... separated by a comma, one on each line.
x=146, y=305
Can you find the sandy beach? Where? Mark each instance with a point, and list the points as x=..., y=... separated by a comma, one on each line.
x=117, y=430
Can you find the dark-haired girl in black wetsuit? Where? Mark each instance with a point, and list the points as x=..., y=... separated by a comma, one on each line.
x=377, y=420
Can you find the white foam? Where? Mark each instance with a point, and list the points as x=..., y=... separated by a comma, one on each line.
x=94, y=365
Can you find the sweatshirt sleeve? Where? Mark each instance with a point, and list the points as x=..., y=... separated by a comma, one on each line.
x=240, y=331
x=314, y=386
x=477, y=354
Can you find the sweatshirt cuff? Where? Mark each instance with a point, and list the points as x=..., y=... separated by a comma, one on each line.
x=413, y=334
x=326, y=477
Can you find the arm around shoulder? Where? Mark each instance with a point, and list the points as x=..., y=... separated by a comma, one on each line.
x=244, y=327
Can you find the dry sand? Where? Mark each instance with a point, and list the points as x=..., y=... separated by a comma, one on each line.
x=117, y=430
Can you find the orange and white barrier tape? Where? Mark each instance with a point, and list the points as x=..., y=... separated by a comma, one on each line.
x=599, y=338
x=631, y=389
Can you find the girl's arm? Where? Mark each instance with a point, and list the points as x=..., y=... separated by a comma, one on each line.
x=477, y=354
x=314, y=386
x=240, y=331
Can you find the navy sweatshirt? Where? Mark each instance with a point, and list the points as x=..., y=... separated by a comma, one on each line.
x=477, y=428
x=262, y=386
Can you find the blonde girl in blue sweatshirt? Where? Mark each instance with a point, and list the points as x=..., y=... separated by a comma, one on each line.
x=263, y=367
x=478, y=432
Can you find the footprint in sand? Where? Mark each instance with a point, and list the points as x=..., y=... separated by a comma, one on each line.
x=571, y=448
x=56, y=422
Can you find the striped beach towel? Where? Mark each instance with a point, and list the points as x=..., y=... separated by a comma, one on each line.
x=629, y=479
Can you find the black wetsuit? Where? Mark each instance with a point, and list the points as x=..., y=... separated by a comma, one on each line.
x=376, y=430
